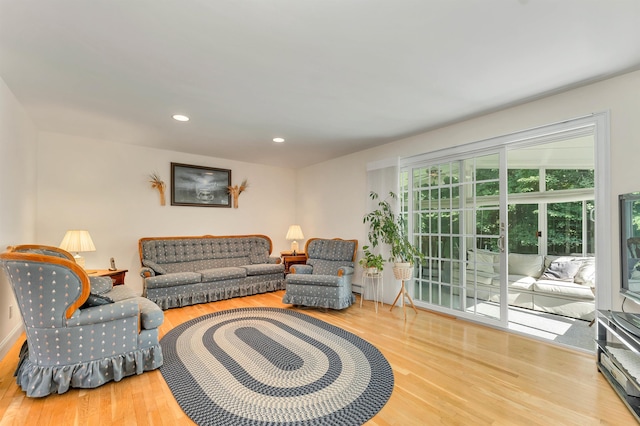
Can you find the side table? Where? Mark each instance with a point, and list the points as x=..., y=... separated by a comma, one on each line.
x=374, y=281
x=116, y=276
x=288, y=259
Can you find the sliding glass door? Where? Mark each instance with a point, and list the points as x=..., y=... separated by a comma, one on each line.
x=457, y=218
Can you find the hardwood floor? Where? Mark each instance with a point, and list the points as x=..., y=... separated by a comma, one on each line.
x=447, y=371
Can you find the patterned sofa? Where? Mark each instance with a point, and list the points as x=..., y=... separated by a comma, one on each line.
x=181, y=271
x=80, y=331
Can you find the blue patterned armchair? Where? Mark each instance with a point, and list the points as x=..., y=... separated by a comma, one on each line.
x=75, y=336
x=325, y=280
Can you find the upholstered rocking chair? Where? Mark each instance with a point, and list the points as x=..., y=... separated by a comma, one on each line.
x=72, y=343
x=325, y=280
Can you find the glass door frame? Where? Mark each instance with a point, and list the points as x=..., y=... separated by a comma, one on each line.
x=598, y=124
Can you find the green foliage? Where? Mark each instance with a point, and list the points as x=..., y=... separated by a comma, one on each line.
x=371, y=260
x=387, y=228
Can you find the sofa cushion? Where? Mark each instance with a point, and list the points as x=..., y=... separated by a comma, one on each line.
x=314, y=280
x=259, y=255
x=482, y=260
x=151, y=316
x=327, y=267
x=205, y=264
x=561, y=288
x=561, y=270
x=264, y=269
x=221, y=274
x=521, y=282
x=525, y=264
x=482, y=277
x=171, y=280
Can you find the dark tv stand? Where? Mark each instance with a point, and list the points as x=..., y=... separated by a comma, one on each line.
x=618, y=346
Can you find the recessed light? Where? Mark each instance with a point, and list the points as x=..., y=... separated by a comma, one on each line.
x=180, y=117
x=279, y=140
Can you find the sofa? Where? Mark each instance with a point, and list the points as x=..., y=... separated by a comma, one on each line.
x=81, y=331
x=181, y=271
x=563, y=285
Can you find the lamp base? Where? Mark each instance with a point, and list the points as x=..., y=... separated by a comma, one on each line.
x=79, y=260
x=294, y=247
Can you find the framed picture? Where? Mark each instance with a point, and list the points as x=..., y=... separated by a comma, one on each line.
x=200, y=186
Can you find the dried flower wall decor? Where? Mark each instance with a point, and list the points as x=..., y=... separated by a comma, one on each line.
x=158, y=184
x=236, y=190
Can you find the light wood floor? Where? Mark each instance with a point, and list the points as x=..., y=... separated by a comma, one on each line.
x=447, y=371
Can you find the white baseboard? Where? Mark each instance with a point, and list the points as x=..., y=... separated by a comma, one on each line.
x=9, y=341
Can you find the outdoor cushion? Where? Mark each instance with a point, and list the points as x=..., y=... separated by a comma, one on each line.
x=562, y=288
x=481, y=260
x=521, y=282
x=525, y=264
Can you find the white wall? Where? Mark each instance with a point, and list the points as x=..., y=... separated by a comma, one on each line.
x=341, y=183
x=104, y=188
x=18, y=138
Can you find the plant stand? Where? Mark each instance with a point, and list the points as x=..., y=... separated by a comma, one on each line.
x=373, y=280
x=403, y=274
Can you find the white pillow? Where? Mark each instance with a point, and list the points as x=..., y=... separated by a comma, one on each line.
x=529, y=265
x=587, y=273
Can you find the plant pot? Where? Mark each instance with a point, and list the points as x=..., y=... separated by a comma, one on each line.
x=403, y=270
x=372, y=271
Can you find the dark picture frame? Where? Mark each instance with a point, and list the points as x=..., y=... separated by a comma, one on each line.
x=200, y=186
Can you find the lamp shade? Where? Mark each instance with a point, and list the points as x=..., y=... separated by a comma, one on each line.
x=294, y=233
x=76, y=241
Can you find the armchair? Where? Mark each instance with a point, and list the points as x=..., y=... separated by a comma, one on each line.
x=69, y=342
x=325, y=280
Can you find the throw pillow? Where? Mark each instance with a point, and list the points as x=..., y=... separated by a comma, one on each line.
x=100, y=285
x=586, y=275
x=561, y=270
x=153, y=265
x=96, y=300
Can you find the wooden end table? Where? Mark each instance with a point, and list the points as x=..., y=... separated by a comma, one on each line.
x=288, y=258
x=116, y=276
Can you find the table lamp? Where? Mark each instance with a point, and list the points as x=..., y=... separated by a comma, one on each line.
x=76, y=241
x=294, y=233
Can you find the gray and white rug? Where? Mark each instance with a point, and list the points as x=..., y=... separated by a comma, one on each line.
x=271, y=366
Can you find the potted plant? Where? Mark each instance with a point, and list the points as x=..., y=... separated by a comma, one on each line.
x=385, y=227
x=372, y=262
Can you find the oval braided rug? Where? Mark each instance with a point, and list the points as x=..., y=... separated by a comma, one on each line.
x=271, y=366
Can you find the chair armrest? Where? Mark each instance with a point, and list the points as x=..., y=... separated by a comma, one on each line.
x=301, y=269
x=274, y=259
x=147, y=272
x=345, y=270
x=105, y=313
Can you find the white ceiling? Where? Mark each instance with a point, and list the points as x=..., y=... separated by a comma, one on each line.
x=331, y=76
